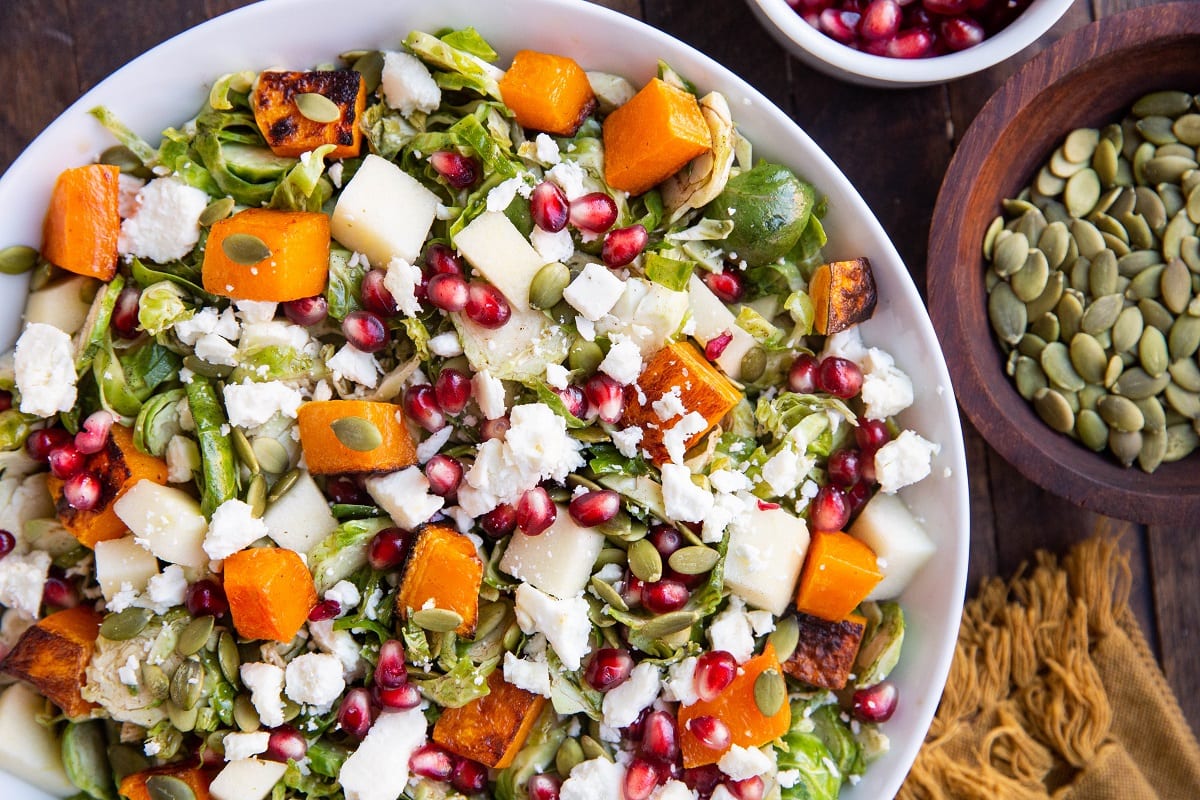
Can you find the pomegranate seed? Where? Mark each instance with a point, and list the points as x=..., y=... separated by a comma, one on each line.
x=286, y=743
x=420, y=403
x=65, y=461
x=326, y=609
x=459, y=171
x=666, y=540
x=881, y=20
x=871, y=434
x=664, y=596
x=431, y=761
x=857, y=496
x=444, y=474
x=486, y=306
x=703, y=780
x=41, y=442
x=915, y=43
x=548, y=206
x=623, y=245
x=82, y=491
x=469, y=776
x=839, y=25
x=947, y=8
x=447, y=292
x=5, y=400
x=93, y=433
x=960, y=33
x=802, y=377
x=307, y=311
x=346, y=491
x=715, y=670
x=8, y=543
x=606, y=396
x=365, y=330
x=839, y=377
x=844, y=467
x=535, y=511
x=608, y=668
x=574, y=399
x=828, y=511
x=634, y=587
x=59, y=592
x=399, y=698
x=499, y=522
x=689, y=581
x=388, y=549
x=544, y=787
x=710, y=732
x=452, y=390
x=749, y=789
x=727, y=285
x=375, y=296
x=355, y=714
x=390, y=671
x=124, y=319
x=441, y=260
x=595, y=212
x=716, y=345
x=660, y=740
x=595, y=507
x=641, y=778
x=875, y=703
x=206, y=597
x=494, y=428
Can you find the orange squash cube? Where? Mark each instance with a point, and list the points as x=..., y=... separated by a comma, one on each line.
x=491, y=729
x=82, y=223
x=843, y=294
x=326, y=454
x=53, y=656
x=839, y=572
x=295, y=264
x=547, y=92
x=825, y=653
x=133, y=787
x=652, y=136
x=443, y=571
x=702, y=389
x=270, y=593
x=289, y=132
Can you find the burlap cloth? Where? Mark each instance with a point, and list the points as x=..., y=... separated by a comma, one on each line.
x=1054, y=693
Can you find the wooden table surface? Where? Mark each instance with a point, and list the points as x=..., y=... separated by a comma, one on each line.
x=893, y=145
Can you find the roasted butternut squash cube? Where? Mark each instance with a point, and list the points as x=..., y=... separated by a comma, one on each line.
x=53, y=656
x=293, y=124
x=82, y=223
x=270, y=593
x=825, y=653
x=294, y=250
x=736, y=707
x=134, y=787
x=843, y=294
x=651, y=137
x=326, y=454
x=679, y=368
x=547, y=92
x=490, y=729
x=119, y=466
x=839, y=573
x=443, y=571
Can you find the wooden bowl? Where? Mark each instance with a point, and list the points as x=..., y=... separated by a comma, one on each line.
x=1089, y=78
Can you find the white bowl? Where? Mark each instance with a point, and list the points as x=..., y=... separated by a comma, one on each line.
x=834, y=58
x=166, y=85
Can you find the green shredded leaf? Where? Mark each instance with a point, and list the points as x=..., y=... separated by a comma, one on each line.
x=669, y=272
x=125, y=135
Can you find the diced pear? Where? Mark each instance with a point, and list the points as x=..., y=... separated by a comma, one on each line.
x=247, y=779
x=712, y=318
x=60, y=304
x=300, y=519
x=383, y=213
x=647, y=312
x=519, y=351
x=559, y=560
x=900, y=543
x=121, y=561
x=28, y=749
x=169, y=521
x=494, y=247
x=765, y=556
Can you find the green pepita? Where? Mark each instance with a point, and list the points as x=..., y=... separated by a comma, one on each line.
x=168, y=787
x=123, y=625
x=228, y=658
x=1054, y=410
x=124, y=159
x=770, y=692
x=1070, y=313
x=1059, y=165
x=1167, y=169
x=1137, y=232
x=1151, y=207
x=1125, y=445
x=1152, y=352
x=785, y=637
x=669, y=623
x=85, y=758
x=245, y=716
x=17, y=259
x=1088, y=357
x=357, y=433
x=1101, y=314
x=1087, y=237
x=271, y=456
x=245, y=249
x=1082, y=192
x=568, y=756
x=989, y=236
x=1104, y=162
x=1138, y=260
x=187, y=682
x=1166, y=103
x=754, y=364
x=1007, y=314
x=1091, y=430
x=216, y=211
x=1135, y=384
x=318, y=108
x=1186, y=373
x=1010, y=254
x=1127, y=329
x=1103, y=273
x=608, y=594
x=1156, y=129
x=1185, y=403
x=1030, y=281
x=1154, y=449
x=154, y=681
x=1155, y=315
x=1054, y=243
x=1176, y=286
x=1029, y=377
x=546, y=288
x=1189, y=251
x=1172, y=238
x=256, y=496
x=584, y=356
x=1031, y=224
x=1048, y=184
x=1112, y=372
x=1120, y=413
x=370, y=66
x=694, y=560
x=1147, y=284
x=645, y=562
x=1153, y=414
x=437, y=620
x=195, y=635
x=184, y=719
x=1183, y=338
x=205, y=369
x=281, y=487
x=1049, y=297
x=593, y=749
x=1031, y=344
x=1182, y=440
x=245, y=453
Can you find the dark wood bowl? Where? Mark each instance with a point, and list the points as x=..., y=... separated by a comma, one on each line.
x=1088, y=78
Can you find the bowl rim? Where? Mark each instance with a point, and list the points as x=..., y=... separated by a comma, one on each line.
x=986, y=395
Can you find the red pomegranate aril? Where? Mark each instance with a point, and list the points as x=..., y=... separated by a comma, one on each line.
x=839, y=377
x=857, y=496
x=444, y=474
x=595, y=507
x=829, y=511
x=307, y=311
x=665, y=596
x=666, y=539
x=390, y=670
x=748, y=789
x=486, y=306
x=710, y=732
x=544, y=787
x=365, y=330
x=500, y=521
x=703, y=780
x=875, y=703
x=286, y=743
x=494, y=428
x=39, y=443
x=660, y=739
x=574, y=399
x=634, y=587
x=715, y=670
x=388, y=549
x=606, y=396
x=6, y=399
x=623, y=245
x=946, y=8
x=914, y=43
x=452, y=390
x=441, y=260
x=689, y=581
x=641, y=779
x=124, y=319
x=354, y=714
x=881, y=20
x=375, y=295
x=549, y=207
x=206, y=597
x=65, y=461
x=345, y=490
x=608, y=668
x=871, y=434
x=60, y=592
x=469, y=777
x=8, y=543
x=459, y=171
x=840, y=25
x=844, y=467
x=594, y=212
x=82, y=491
x=420, y=403
x=431, y=761
x=94, y=432
x=399, y=698
x=535, y=511
x=802, y=377
x=959, y=33
x=727, y=285
x=447, y=292
x=325, y=609
x=716, y=345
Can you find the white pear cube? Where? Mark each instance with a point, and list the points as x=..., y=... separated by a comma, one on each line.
x=61, y=304
x=765, y=556
x=123, y=561
x=559, y=560
x=383, y=213
x=494, y=247
x=300, y=519
x=900, y=543
x=247, y=779
x=647, y=312
x=712, y=318
x=168, y=520
x=28, y=749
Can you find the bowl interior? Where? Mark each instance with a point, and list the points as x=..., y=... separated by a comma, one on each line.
x=1089, y=78
x=167, y=84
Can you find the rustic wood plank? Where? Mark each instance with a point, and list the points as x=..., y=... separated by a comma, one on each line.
x=1175, y=562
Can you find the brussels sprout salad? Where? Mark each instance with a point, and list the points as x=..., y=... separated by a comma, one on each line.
x=416, y=426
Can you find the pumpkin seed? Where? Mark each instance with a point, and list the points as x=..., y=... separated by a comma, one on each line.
x=1146, y=284
x=1172, y=239
x=1184, y=402
x=245, y=453
x=645, y=561
x=121, y=626
x=370, y=66
x=1167, y=169
x=317, y=107
x=187, y=683
x=1088, y=397
x=1007, y=314
x=184, y=719
x=1182, y=440
x=1176, y=149
x=205, y=369
x=1113, y=134
x=1049, y=184
x=1030, y=281
x=216, y=211
x=1132, y=264
x=1135, y=384
x=123, y=158
x=694, y=560
x=1125, y=445
x=1031, y=224
x=608, y=594
x=1186, y=373
x=1054, y=211
x=245, y=716
x=666, y=624
x=1054, y=410
x=1063, y=168
x=593, y=749
x=1029, y=377
x=437, y=620
x=1053, y=243
x=1189, y=251
x=1127, y=330
x=989, y=236
x=1104, y=162
x=281, y=487
x=357, y=433
x=1120, y=413
x=754, y=364
x=195, y=635
x=1116, y=244
x=546, y=288
x=1113, y=371
x=1082, y=192
x=1156, y=129
x=1031, y=344
x=770, y=692
x=1193, y=207
x=568, y=756
x=1069, y=312
x=1154, y=449
x=1080, y=144
x=271, y=456
x=1101, y=314
x=1091, y=430
x=1087, y=237
x=168, y=787
x=1016, y=206
x=17, y=259
x=1103, y=273
x=256, y=496
x=1138, y=233
x=228, y=657
x=154, y=681
x=1183, y=338
x=245, y=249
x=1010, y=254
x=611, y=555
x=1152, y=352
x=1151, y=208
x=1049, y=297
x=1166, y=103
x=1155, y=315
x=1153, y=414
x=785, y=637
x=584, y=356
x=1088, y=358
x=1176, y=286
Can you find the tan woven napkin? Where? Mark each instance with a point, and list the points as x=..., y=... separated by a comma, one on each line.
x=1054, y=693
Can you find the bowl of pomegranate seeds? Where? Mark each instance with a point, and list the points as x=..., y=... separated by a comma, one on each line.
x=906, y=43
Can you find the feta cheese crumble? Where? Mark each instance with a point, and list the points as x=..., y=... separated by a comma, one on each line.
x=265, y=682
x=405, y=495
x=165, y=221
x=489, y=394
x=564, y=623
x=740, y=763
x=623, y=703
x=408, y=85
x=886, y=390
x=684, y=500
x=623, y=363
x=402, y=280
x=245, y=745
x=352, y=364
x=233, y=528
x=22, y=578
x=594, y=292
x=315, y=679
x=250, y=404
x=45, y=370
x=904, y=460
x=532, y=676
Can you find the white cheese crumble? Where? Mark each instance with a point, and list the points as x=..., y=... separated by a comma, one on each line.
x=338, y=643
x=732, y=631
x=557, y=376
x=532, y=676
x=183, y=456
x=407, y=84
x=680, y=685
x=446, y=345
x=128, y=672
x=623, y=363
x=265, y=682
x=564, y=623
x=627, y=440
x=345, y=594
x=378, y=767
x=684, y=500
x=676, y=438
x=489, y=394
x=594, y=292
x=623, y=703
x=570, y=178
x=205, y=321
x=904, y=460
x=886, y=390
x=740, y=763
x=213, y=349
x=405, y=496
x=315, y=679
x=557, y=246
x=44, y=366
x=352, y=364
x=250, y=404
x=729, y=481
x=245, y=745
x=252, y=311
x=596, y=779
x=165, y=590
x=22, y=579
x=784, y=471
x=546, y=149
x=402, y=280
x=233, y=527
x=433, y=443
x=669, y=406
x=165, y=221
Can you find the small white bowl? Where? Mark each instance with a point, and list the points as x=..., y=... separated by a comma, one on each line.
x=836, y=59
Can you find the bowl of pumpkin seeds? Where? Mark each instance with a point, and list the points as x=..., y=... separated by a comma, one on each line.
x=1064, y=266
